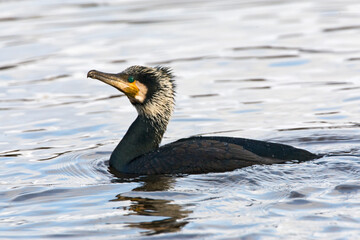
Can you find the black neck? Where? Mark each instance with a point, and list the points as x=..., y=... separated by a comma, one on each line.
x=143, y=136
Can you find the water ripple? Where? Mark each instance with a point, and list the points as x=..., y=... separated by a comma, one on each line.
x=284, y=71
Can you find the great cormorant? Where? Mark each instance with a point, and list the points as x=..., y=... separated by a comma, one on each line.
x=151, y=91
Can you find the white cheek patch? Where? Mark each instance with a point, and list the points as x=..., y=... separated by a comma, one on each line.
x=141, y=95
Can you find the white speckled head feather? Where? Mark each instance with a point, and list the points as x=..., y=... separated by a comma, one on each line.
x=160, y=93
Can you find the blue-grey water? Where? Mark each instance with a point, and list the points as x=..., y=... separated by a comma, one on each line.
x=275, y=70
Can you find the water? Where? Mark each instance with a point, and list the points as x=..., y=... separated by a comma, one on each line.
x=283, y=71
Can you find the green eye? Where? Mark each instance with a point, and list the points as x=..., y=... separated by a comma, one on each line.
x=130, y=79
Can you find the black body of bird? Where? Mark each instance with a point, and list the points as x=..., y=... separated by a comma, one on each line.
x=151, y=91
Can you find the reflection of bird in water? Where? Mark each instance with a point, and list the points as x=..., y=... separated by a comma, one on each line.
x=151, y=92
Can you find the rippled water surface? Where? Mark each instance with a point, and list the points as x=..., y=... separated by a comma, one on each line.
x=282, y=71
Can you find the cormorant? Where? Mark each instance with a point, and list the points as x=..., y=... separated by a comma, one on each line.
x=151, y=91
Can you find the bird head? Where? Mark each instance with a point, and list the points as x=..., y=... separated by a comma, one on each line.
x=150, y=90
